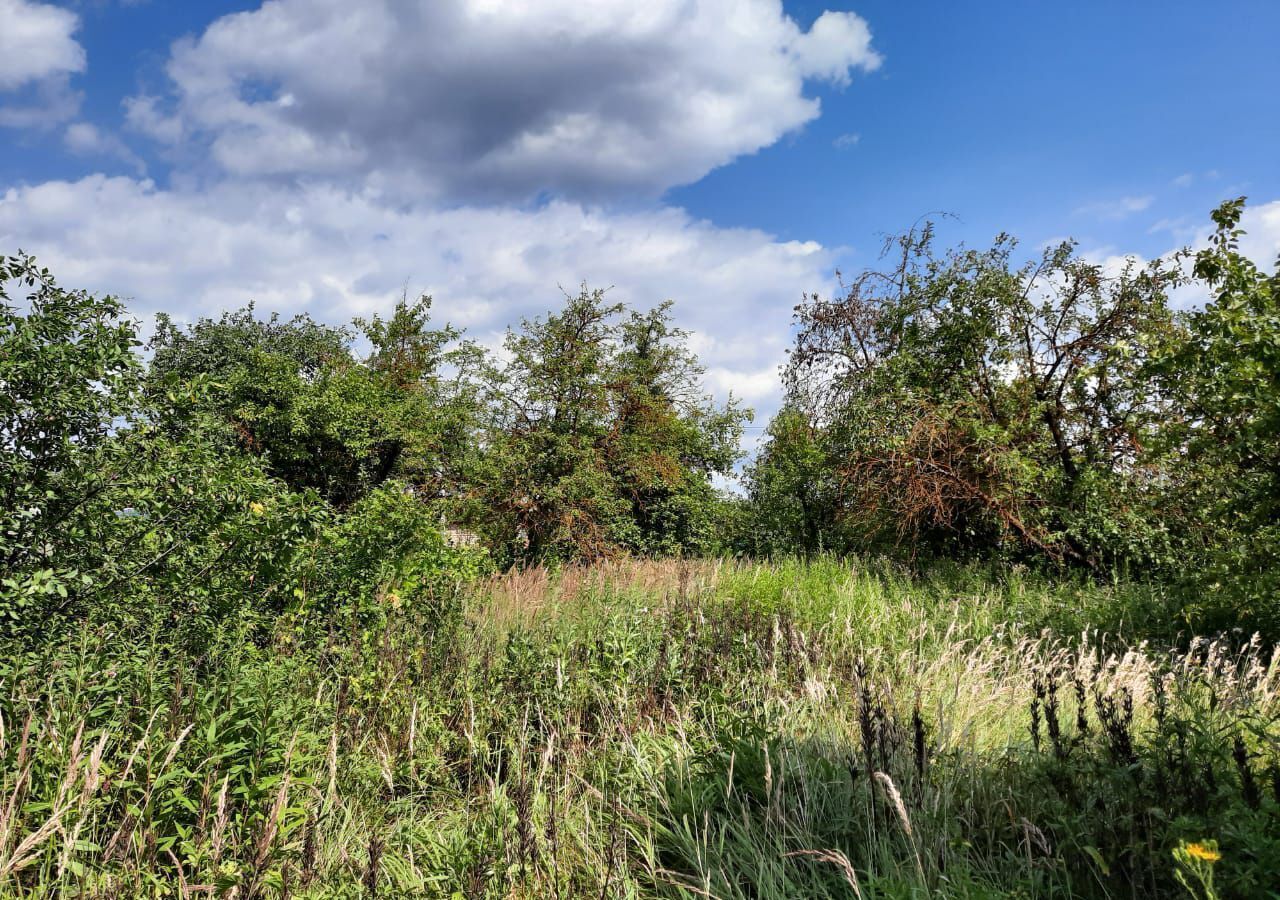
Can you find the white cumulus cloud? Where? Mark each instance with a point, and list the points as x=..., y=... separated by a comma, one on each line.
x=86, y=139
x=336, y=254
x=326, y=154
x=38, y=54
x=36, y=42
x=499, y=99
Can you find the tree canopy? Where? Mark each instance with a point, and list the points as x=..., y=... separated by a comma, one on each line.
x=601, y=439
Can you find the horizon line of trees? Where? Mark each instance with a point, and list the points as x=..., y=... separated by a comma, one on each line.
x=957, y=404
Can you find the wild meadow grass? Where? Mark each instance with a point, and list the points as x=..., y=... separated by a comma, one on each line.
x=657, y=729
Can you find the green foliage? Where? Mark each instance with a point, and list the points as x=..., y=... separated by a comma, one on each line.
x=1224, y=442
x=189, y=533
x=140, y=511
x=810, y=728
x=969, y=404
x=291, y=393
x=295, y=394
x=435, y=371
x=793, y=492
x=239, y=657
x=667, y=438
x=963, y=405
x=67, y=374
x=386, y=551
x=601, y=440
x=593, y=439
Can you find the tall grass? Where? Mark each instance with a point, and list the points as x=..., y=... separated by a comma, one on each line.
x=655, y=729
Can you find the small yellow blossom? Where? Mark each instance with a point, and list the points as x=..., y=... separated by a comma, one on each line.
x=257, y=508
x=1200, y=851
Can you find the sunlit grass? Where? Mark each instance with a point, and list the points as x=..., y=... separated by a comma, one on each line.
x=816, y=728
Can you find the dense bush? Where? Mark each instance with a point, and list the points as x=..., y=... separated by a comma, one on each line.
x=1222, y=448
x=297, y=397
x=67, y=373
x=257, y=466
x=174, y=500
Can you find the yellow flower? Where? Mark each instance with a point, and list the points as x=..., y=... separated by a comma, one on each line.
x=1206, y=853
x=257, y=508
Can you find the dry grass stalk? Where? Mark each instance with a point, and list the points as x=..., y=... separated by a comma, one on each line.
x=28, y=849
x=221, y=818
x=838, y=859
x=895, y=800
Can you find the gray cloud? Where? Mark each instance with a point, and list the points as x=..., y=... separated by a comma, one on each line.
x=499, y=99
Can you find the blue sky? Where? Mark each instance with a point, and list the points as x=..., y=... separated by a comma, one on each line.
x=1033, y=118
x=730, y=154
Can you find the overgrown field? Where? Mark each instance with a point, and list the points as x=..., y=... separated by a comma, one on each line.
x=657, y=729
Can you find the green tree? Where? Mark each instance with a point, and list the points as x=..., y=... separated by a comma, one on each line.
x=970, y=404
x=1224, y=442
x=545, y=489
x=601, y=440
x=435, y=372
x=792, y=491
x=295, y=394
x=108, y=510
x=68, y=373
x=668, y=438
